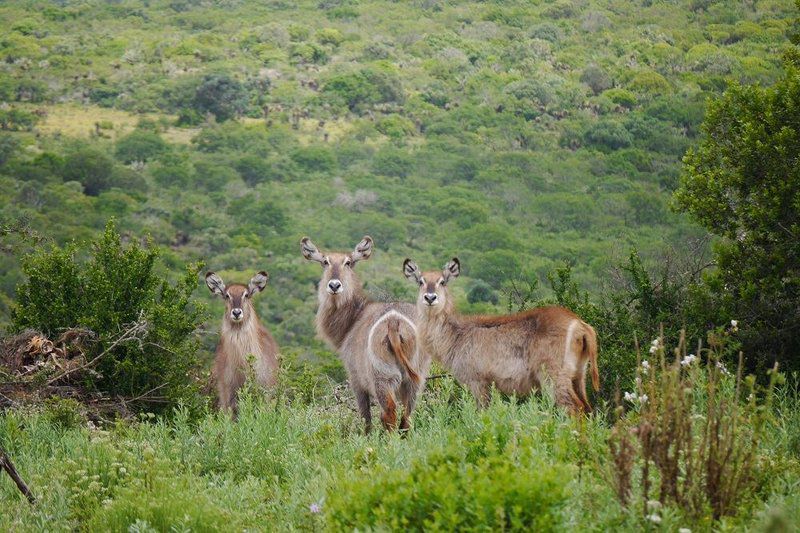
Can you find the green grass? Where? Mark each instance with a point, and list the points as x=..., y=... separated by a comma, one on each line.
x=268, y=471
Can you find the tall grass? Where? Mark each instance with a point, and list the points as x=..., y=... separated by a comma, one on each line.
x=289, y=465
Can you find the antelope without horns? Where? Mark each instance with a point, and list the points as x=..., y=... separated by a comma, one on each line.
x=242, y=335
x=376, y=341
x=516, y=353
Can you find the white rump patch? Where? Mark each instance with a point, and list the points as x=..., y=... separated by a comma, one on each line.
x=570, y=357
x=378, y=363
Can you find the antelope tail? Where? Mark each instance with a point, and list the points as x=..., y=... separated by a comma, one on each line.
x=397, y=348
x=590, y=351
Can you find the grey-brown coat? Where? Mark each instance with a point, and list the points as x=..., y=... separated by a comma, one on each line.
x=516, y=353
x=376, y=341
x=242, y=336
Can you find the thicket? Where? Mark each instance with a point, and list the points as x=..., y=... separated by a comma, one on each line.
x=140, y=328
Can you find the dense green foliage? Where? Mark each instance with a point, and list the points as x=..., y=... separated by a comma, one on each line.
x=540, y=141
x=289, y=466
x=143, y=325
x=517, y=136
x=743, y=183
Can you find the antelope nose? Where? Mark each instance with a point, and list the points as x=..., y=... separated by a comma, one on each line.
x=430, y=297
x=334, y=285
x=237, y=313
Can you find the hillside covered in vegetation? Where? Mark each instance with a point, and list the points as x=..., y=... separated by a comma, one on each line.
x=634, y=161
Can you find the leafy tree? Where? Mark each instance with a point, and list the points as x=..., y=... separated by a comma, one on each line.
x=220, y=95
x=742, y=182
x=91, y=168
x=140, y=145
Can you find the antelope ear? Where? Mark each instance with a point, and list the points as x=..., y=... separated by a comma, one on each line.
x=257, y=283
x=215, y=283
x=310, y=250
x=363, y=249
x=451, y=270
x=411, y=271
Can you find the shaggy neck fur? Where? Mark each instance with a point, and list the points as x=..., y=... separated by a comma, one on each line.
x=441, y=332
x=335, y=317
x=242, y=337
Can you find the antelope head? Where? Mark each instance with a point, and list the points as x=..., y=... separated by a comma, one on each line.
x=433, y=297
x=339, y=282
x=238, y=305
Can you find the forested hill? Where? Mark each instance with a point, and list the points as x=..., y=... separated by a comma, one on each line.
x=517, y=135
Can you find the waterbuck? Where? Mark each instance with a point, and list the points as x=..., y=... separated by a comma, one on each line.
x=515, y=353
x=375, y=340
x=242, y=335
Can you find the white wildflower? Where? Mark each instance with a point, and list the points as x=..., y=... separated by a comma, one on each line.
x=722, y=368
x=688, y=360
x=734, y=323
x=653, y=349
x=654, y=518
x=684, y=530
x=630, y=396
x=645, y=365
x=643, y=399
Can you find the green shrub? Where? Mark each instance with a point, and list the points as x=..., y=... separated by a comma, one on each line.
x=140, y=145
x=89, y=167
x=116, y=290
x=460, y=488
x=220, y=95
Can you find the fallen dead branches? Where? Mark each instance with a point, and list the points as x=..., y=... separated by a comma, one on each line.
x=34, y=367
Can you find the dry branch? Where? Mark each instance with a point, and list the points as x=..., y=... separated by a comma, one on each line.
x=8, y=466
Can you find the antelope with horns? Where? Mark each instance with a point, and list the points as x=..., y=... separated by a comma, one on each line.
x=376, y=341
x=515, y=353
x=242, y=335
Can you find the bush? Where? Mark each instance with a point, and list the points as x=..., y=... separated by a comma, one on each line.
x=607, y=135
x=89, y=167
x=461, y=488
x=112, y=291
x=370, y=85
x=140, y=145
x=220, y=95
x=480, y=291
x=698, y=427
x=596, y=78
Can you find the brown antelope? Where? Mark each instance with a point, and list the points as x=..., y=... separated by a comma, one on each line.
x=515, y=353
x=376, y=341
x=242, y=335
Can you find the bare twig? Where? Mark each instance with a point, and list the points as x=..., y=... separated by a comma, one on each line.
x=132, y=333
x=8, y=466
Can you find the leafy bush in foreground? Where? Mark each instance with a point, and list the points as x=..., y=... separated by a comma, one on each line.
x=465, y=487
x=117, y=293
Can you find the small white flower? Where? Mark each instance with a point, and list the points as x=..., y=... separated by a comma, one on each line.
x=315, y=508
x=654, y=518
x=643, y=398
x=734, y=323
x=722, y=368
x=645, y=365
x=655, y=342
x=684, y=530
x=688, y=360
x=630, y=397
x=653, y=349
